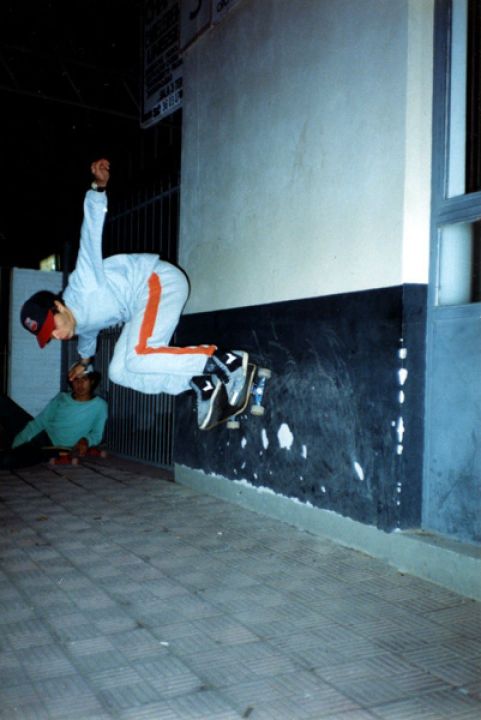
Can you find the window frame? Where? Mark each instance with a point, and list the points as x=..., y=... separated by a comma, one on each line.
x=445, y=210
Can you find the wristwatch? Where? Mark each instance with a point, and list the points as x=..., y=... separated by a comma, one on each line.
x=98, y=188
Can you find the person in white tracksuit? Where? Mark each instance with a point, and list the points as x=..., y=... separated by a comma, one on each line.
x=146, y=295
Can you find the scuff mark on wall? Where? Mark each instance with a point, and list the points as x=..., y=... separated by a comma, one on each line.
x=285, y=437
x=400, y=429
x=402, y=378
x=265, y=439
x=359, y=470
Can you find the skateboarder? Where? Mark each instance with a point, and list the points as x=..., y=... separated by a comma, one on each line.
x=146, y=295
x=75, y=420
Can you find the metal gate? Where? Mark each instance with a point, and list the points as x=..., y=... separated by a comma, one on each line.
x=140, y=426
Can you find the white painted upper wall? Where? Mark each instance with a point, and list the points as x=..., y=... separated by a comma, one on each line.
x=306, y=150
x=418, y=138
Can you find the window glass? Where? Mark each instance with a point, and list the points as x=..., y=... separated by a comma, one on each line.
x=464, y=133
x=459, y=281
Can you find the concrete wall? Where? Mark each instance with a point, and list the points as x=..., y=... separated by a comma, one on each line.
x=336, y=433
x=305, y=211
x=306, y=150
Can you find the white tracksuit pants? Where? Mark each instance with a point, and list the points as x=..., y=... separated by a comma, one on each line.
x=143, y=359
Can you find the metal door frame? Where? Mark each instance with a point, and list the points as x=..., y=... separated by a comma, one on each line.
x=444, y=210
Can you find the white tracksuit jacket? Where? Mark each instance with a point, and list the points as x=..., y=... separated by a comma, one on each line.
x=142, y=292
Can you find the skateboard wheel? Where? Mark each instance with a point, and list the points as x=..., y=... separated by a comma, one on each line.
x=264, y=372
x=233, y=424
x=257, y=410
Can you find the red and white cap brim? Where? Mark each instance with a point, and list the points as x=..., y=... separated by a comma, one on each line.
x=45, y=333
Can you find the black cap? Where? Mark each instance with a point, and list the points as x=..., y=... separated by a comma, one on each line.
x=37, y=317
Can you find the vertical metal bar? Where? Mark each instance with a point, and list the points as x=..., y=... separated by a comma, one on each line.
x=140, y=426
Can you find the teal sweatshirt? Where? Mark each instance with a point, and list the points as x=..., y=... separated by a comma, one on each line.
x=67, y=420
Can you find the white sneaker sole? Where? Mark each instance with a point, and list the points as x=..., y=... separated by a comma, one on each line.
x=245, y=363
x=213, y=397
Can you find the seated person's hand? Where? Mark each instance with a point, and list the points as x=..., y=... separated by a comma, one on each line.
x=75, y=371
x=80, y=448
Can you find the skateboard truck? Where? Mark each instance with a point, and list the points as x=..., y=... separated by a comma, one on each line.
x=257, y=391
x=253, y=392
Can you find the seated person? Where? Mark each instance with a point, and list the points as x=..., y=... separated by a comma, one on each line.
x=74, y=420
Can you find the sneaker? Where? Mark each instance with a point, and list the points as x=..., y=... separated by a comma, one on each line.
x=231, y=368
x=206, y=389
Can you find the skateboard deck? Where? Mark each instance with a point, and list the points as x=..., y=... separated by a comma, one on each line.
x=253, y=393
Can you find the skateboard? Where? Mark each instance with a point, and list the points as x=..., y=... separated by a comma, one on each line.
x=63, y=456
x=253, y=392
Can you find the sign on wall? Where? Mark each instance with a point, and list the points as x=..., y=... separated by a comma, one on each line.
x=220, y=8
x=197, y=16
x=169, y=27
x=162, y=64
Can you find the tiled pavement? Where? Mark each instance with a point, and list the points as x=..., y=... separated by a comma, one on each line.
x=124, y=595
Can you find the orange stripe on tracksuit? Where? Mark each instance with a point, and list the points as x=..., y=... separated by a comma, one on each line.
x=148, y=322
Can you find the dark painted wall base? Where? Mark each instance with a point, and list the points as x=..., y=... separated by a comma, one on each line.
x=344, y=419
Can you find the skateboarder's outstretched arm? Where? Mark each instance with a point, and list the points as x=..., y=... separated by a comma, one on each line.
x=89, y=266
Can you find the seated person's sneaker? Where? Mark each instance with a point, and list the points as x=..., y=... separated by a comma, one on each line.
x=206, y=388
x=231, y=368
